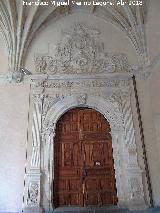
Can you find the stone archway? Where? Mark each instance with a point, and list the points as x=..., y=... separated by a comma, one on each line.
x=127, y=172
x=98, y=80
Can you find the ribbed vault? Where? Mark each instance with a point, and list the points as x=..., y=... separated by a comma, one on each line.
x=21, y=23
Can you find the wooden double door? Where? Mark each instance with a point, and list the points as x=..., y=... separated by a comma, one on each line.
x=84, y=172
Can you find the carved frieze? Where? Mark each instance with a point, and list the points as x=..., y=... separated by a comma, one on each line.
x=107, y=82
x=81, y=52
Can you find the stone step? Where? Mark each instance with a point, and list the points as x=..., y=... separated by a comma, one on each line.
x=101, y=210
x=88, y=210
x=96, y=210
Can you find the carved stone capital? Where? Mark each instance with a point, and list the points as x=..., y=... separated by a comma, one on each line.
x=50, y=130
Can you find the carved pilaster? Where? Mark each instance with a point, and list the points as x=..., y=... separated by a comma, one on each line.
x=32, y=190
x=48, y=136
x=133, y=170
x=117, y=141
x=36, y=131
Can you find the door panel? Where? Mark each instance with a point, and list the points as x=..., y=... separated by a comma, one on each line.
x=84, y=173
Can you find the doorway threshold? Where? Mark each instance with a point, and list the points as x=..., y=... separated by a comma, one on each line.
x=106, y=209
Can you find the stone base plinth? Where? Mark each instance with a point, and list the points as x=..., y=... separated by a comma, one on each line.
x=33, y=210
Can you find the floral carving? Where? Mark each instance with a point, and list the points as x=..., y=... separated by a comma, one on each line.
x=80, y=52
x=81, y=99
x=33, y=192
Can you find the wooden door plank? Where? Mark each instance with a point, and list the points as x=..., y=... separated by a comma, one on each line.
x=84, y=172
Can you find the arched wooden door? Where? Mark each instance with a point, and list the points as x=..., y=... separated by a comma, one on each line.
x=84, y=172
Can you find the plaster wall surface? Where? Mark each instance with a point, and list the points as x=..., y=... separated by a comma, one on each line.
x=150, y=137
x=13, y=136
x=154, y=91
x=153, y=29
x=154, y=88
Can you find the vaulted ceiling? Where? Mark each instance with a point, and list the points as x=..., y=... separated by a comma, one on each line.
x=20, y=23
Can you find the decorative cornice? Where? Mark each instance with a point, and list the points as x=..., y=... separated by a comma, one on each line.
x=42, y=79
x=83, y=83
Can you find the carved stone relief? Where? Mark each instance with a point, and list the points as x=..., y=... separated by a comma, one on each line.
x=94, y=83
x=81, y=99
x=33, y=193
x=80, y=52
x=114, y=114
x=114, y=104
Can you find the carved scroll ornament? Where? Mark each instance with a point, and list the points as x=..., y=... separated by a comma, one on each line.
x=80, y=52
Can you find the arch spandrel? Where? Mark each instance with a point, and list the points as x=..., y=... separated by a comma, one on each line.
x=112, y=114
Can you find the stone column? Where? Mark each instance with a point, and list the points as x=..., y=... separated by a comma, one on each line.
x=32, y=191
x=118, y=154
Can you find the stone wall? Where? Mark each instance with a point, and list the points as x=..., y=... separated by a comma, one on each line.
x=13, y=138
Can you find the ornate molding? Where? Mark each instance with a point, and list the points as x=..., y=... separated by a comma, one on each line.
x=113, y=98
x=53, y=97
x=113, y=112
x=79, y=83
x=116, y=108
x=80, y=52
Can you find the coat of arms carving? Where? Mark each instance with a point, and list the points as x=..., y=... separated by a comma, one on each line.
x=81, y=52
